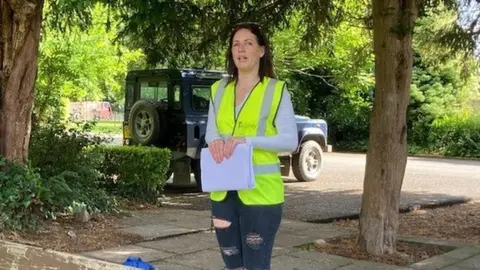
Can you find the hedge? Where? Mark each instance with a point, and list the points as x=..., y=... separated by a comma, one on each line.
x=137, y=172
x=458, y=134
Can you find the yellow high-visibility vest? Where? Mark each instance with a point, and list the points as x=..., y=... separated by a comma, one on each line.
x=255, y=118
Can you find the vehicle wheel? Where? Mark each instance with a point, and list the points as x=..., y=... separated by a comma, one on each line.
x=307, y=164
x=197, y=172
x=145, y=123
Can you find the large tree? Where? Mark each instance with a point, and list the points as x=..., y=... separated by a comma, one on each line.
x=387, y=152
x=194, y=33
x=393, y=28
x=20, y=23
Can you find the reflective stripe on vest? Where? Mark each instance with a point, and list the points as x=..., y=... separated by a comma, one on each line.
x=256, y=120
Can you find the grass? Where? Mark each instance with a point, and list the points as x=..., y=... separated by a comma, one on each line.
x=109, y=127
x=104, y=127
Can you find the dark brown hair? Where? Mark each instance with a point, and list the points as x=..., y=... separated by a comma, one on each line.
x=266, y=63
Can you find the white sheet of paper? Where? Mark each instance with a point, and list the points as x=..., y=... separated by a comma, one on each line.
x=235, y=173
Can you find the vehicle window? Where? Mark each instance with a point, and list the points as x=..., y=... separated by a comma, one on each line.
x=130, y=95
x=153, y=90
x=200, y=98
x=176, y=97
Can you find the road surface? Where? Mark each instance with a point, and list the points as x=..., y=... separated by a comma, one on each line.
x=338, y=191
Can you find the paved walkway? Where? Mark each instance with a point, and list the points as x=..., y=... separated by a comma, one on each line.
x=180, y=240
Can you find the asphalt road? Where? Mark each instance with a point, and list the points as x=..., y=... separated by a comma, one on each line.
x=338, y=191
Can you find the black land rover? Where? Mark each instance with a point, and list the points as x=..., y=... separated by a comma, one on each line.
x=169, y=108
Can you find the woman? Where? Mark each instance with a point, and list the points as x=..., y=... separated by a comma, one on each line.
x=250, y=107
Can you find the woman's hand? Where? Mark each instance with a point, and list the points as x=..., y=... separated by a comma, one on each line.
x=217, y=150
x=230, y=145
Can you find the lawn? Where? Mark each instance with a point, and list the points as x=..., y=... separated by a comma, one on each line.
x=109, y=127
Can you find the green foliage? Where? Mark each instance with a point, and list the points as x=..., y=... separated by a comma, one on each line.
x=26, y=198
x=322, y=49
x=137, y=172
x=77, y=66
x=49, y=144
x=333, y=80
x=458, y=134
x=451, y=26
x=60, y=155
x=21, y=196
x=176, y=33
x=443, y=81
x=434, y=92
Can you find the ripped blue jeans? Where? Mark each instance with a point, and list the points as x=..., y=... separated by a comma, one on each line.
x=245, y=234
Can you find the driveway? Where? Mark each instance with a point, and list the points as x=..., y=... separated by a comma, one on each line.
x=338, y=191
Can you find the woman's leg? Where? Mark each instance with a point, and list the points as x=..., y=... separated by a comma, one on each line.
x=226, y=223
x=259, y=226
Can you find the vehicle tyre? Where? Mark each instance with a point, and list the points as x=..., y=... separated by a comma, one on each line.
x=308, y=162
x=197, y=172
x=146, y=124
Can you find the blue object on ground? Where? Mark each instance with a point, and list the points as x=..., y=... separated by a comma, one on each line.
x=138, y=263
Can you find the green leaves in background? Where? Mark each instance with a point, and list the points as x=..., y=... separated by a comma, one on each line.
x=81, y=65
x=323, y=49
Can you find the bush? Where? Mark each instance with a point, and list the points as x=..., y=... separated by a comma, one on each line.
x=458, y=134
x=55, y=148
x=60, y=155
x=25, y=197
x=61, y=176
x=352, y=146
x=137, y=172
x=21, y=195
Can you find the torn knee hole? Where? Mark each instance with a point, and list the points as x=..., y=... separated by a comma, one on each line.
x=254, y=240
x=221, y=224
x=230, y=251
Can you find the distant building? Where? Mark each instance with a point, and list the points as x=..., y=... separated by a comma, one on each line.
x=90, y=110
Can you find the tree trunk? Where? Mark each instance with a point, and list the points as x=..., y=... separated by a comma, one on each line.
x=387, y=151
x=20, y=24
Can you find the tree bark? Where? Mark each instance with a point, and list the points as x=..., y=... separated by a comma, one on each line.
x=387, y=151
x=20, y=24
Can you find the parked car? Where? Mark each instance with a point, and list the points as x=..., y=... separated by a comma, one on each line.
x=169, y=108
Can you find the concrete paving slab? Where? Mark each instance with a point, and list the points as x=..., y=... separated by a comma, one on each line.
x=291, y=240
x=161, y=265
x=278, y=251
x=20, y=256
x=287, y=262
x=165, y=215
x=149, y=232
x=324, y=232
x=453, y=268
x=327, y=260
x=205, y=259
x=471, y=263
x=203, y=213
x=436, y=262
x=463, y=253
x=365, y=265
x=291, y=226
x=207, y=236
x=144, y=218
x=178, y=245
x=193, y=222
x=120, y=254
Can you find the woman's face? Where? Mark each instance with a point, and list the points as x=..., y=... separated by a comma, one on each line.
x=246, y=51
